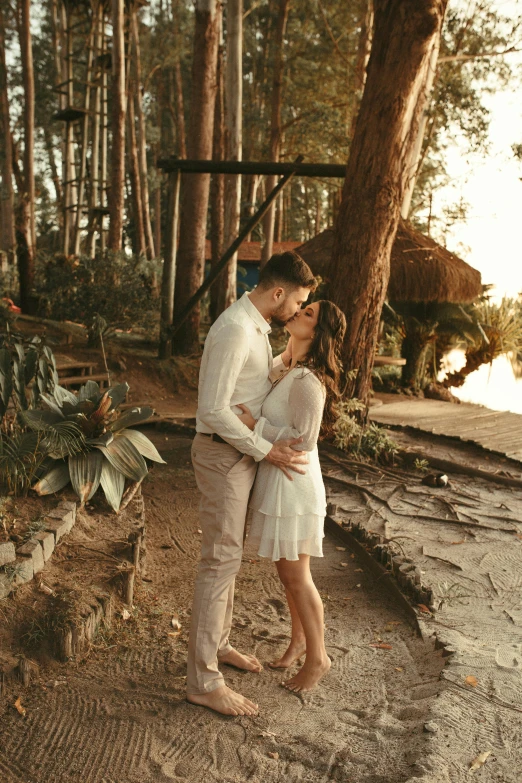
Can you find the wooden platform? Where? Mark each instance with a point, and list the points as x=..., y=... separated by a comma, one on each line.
x=497, y=431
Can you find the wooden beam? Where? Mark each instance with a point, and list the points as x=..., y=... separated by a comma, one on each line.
x=248, y=167
x=220, y=266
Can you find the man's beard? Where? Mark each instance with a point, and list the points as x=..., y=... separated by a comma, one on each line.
x=276, y=320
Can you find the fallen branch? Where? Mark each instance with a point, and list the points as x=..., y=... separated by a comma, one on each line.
x=428, y=517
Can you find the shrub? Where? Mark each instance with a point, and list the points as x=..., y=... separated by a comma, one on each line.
x=117, y=288
x=365, y=441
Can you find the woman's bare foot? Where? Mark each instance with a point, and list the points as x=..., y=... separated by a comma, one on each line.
x=308, y=676
x=241, y=661
x=225, y=701
x=296, y=649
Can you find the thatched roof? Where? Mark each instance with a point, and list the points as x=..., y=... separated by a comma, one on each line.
x=421, y=270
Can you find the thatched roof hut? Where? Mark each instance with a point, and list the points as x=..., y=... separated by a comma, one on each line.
x=421, y=270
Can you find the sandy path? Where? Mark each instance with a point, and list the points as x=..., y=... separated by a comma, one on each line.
x=119, y=716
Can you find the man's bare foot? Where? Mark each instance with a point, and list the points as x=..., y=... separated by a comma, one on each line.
x=241, y=661
x=225, y=701
x=295, y=650
x=308, y=676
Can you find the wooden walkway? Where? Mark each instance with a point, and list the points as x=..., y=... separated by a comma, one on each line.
x=497, y=431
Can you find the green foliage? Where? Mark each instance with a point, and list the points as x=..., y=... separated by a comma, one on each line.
x=366, y=442
x=111, y=286
x=500, y=334
x=421, y=464
x=90, y=442
x=27, y=369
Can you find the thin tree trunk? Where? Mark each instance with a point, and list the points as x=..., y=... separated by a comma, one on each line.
x=94, y=192
x=363, y=56
x=234, y=139
x=253, y=184
x=195, y=187
x=7, y=220
x=377, y=172
x=140, y=245
x=26, y=229
x=424, y=105
x=142, y=140
x=275, y=130
x=117, y=194
x=84, y=142
x=180, y=111
x=217, y=197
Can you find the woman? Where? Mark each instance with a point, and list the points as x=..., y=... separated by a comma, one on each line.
x=287, y=517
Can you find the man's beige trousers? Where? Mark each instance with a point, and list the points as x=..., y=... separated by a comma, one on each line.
x=224, y=477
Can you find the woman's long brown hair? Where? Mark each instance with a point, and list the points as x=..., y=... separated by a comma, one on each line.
x=324, y=358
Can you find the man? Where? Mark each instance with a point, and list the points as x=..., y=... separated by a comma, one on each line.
x=235, y=368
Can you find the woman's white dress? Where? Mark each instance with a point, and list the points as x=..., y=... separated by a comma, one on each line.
x=287, y=517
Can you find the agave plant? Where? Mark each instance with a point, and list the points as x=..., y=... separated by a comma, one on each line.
x=90, y=442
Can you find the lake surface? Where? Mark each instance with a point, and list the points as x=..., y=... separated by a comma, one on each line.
x=492, y=385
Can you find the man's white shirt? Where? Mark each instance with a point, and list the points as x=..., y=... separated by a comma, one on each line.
x=235, y=368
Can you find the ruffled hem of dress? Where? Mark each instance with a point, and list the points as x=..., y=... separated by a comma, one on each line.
x=287, y=537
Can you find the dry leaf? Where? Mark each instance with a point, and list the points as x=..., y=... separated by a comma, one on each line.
x=358, y=585
x=274, y=755
x=471, y=680
x=341, y=548
x=352, y=556
x=399, y=669
x=479, y=760
x=175, y=623
x=518, y=535
x=18, y=706
x=382, y=646
x=125, y=614
x=359, y=569
x=173, y=633
x=424, y=608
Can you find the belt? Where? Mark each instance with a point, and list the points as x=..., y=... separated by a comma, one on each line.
x=213, y=436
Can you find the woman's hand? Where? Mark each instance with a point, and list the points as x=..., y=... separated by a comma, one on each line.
x=286, y=356
x=246, y=417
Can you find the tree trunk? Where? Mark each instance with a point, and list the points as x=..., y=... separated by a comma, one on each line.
x=413, y=349
x=195, y=187
x=25, y=223
x=117, y=192
x=139, y=243
x=275, y=130
x=180, y=111
x=142, y=140
x=376, y=174
x=7, y=222
x=217, y=197
x=423, y=107
x=363, y=55
x=234, y=141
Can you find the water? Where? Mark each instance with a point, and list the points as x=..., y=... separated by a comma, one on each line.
x=493, y=385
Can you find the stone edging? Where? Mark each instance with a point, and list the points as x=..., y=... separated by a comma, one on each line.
x=28, y=559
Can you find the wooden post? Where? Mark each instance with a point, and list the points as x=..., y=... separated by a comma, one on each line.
x=216, y=271
x=169, y=265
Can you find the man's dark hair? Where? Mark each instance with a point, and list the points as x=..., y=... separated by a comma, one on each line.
x=287, y=270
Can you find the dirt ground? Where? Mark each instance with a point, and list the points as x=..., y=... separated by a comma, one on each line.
x=118, y=714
